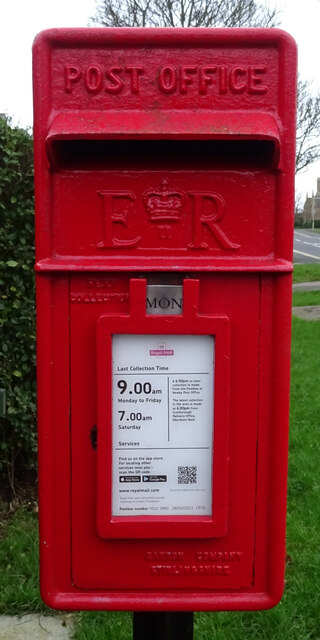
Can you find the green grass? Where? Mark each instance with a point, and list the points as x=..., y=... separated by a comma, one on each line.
x=305, y=298
x=297, y=617
x=19, y=575
x=306, y=229
x=304, y=478
x=103, y=626
x=306, y=272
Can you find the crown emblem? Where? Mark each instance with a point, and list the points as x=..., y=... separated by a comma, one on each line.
x=164, y=205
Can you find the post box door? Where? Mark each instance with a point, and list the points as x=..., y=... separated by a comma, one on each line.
x=222, y=556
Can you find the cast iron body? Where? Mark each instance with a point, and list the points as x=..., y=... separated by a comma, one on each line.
x=167, y=152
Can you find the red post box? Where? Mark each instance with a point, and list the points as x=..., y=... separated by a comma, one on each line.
x=164, y=194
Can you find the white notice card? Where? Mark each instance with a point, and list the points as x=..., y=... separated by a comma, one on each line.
x=162, y=424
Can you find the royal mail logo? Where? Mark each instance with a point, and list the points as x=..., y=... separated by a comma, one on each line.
x=161, y=351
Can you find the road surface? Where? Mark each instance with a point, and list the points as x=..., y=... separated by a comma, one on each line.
x=306, y=246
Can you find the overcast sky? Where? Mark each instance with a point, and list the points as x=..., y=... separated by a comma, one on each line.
x=21, y=20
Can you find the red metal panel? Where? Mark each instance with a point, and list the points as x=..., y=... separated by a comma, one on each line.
x=231, y=554
x=197, y=125
x=54, y=435
x=147, y=164
x=125, y=197
x=229, y=86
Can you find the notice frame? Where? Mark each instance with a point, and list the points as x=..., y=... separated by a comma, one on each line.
x=211, y=524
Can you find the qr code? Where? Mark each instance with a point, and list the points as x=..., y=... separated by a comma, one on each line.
x=187, y=475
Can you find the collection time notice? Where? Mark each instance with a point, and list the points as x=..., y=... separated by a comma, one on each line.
x=162, y=424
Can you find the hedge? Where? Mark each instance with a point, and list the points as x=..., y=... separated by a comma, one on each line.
x=17, y=304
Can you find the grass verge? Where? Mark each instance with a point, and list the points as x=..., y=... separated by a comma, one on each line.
x=103, y=626
x=306, y=229
x=297, y=617
x=19, y=575
x=305, y=298
x=306, y=272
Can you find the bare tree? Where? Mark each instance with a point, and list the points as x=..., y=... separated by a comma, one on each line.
x=299, y=202
x=308, y=126
x=184, y=13
x=218, y=13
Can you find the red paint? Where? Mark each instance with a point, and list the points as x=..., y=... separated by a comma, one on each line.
x=170, y=152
